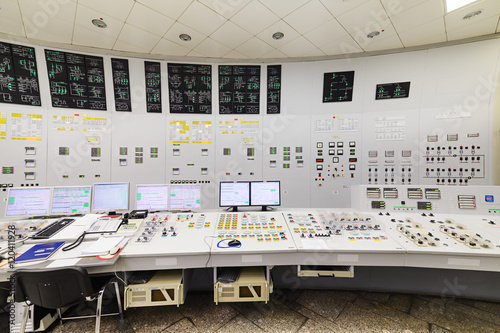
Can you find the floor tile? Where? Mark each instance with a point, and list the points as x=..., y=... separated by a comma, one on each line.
x=377, y=296
x=328, y=304
x=400, y=302
x=449, y=317
x=152, y=319
x=183, y=325
x=311, y=326
x=205, y=314
x=491, y=307
x=355, y=318
x=437, y=329
x=402, y=320
x=271, y=317
x=239, y=324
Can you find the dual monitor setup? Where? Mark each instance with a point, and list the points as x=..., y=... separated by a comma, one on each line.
x=104, y=197
x=241, y=194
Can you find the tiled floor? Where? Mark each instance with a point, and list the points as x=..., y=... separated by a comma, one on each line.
x=303, y=311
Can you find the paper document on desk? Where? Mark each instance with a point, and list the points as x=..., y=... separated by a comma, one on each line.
x=105, y=224
x=102, y=246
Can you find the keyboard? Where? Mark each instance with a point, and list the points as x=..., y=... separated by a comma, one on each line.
x=52, y=229
x=228, y=274
x=141, y=277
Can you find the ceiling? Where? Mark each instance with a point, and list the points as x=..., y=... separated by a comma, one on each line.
x=243, y=29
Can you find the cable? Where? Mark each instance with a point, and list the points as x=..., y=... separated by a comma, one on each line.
x=209, y=249
x=76, y=243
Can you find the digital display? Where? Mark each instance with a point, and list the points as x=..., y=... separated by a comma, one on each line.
x=71, y=200
x=234, y=194
x=489, y=198
x=265, y=193
x=28, y=201
x=273, y=89
x=185, y=196
x=393, y=90
x=153, y=86
x=422, y=205
x=152, y=197
x=109, y=197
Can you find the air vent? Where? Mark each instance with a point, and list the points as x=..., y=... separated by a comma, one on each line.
x=467, y=201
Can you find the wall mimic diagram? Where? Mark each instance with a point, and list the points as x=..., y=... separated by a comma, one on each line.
x=338, y=87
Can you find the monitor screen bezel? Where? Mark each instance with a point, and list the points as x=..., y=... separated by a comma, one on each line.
x=269, y=181
x=151, y=185
x=27, y=188
x=232, y=182
x=169, y=198
x=52, y=199
x=112, y=209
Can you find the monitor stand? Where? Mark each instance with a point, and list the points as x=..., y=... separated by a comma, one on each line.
x=234, y=209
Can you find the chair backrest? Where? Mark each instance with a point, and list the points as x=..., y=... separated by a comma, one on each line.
x=53, y=288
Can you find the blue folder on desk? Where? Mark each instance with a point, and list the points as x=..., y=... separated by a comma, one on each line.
x=39, y=252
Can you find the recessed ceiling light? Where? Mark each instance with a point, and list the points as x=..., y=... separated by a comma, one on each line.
x=451, y=5
x=373, y=34
x=278, y=35
x=185, y=37
x=99, y=23
x=472, y=14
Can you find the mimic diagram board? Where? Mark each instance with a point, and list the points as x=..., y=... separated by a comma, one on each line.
x=393, y=90
x=246, y=233
x=18, y=75
x=76, y=80
x=190, y=88
x=273, y=89
x=338, y=87
x=153, y=86
x=121, y=84
x=239, y=89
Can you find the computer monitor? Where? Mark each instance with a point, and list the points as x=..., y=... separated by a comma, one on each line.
x=71, y=200
x=234, y=195
x=265, y=194
x=185, y=196
x=110, y=197
x=152, y=197
x=28, y=201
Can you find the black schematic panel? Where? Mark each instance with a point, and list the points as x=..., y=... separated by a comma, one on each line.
x=121, y=83
x=239, y=89
x=76, y=80
x=273, y=89
x=393, y=90
x=190, y=88
x=153, y=86
x=338, y=87
x=18, y=75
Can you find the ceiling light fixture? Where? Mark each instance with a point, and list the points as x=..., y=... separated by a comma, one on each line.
x=185, y=37
x=99, y=23
x=473, y=14
x=278, y=35
x=451, y=5
x=373, y=34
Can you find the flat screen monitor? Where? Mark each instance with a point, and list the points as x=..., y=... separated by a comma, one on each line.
x=265, y=194
x=152, y=197
x=185, y=196
x=110, y=197
x=71, y=200
x=233, y=194
x=28, y=201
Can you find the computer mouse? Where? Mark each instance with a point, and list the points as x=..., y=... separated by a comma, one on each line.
x=234, y=242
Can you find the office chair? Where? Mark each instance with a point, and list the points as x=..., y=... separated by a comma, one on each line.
x=59, y=288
